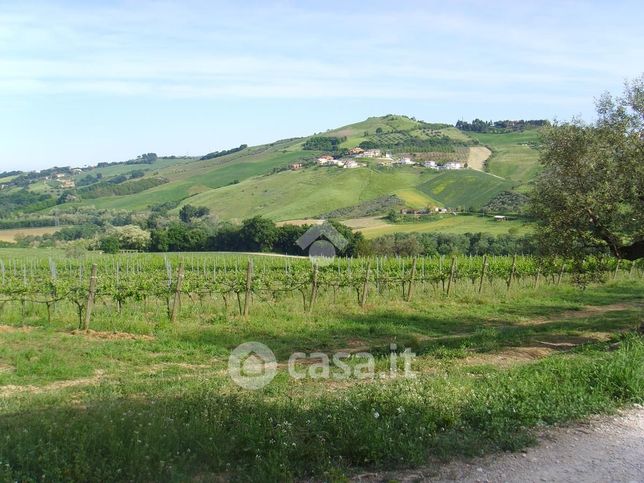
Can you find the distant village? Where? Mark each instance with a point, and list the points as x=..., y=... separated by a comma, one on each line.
x=384, y=159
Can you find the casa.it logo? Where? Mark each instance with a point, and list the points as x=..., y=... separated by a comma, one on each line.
x=322, y=241
x=252, y=365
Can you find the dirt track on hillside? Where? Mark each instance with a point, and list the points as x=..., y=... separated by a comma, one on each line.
x=477, y=156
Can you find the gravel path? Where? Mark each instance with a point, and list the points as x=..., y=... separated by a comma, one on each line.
x=603, y=449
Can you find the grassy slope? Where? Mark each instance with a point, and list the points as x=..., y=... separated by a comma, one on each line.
x=464, y=188
x=188, y=178
x=512, y=157
x=314, y=191
x=446, y=224
x=310, y=192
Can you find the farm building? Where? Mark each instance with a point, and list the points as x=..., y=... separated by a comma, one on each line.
x=372, y=153
x=453, y=165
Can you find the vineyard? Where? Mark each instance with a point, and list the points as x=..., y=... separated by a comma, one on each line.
x=236, y=283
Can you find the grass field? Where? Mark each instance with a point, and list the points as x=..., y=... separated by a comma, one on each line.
x=10, y=235
x=140, y=399
x=513, y=157
x=464, y=188
x=310, y=192
x=373, y=227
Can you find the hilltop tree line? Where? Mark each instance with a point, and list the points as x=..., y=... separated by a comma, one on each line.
x=146, y=158
x=324, y=143
x=218, y=154
x=411, y=144
x=477, y=125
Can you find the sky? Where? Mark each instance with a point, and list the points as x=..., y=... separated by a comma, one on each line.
x=86, y=81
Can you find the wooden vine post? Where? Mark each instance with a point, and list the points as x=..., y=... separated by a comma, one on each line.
x=513, y=271
x=365, y=286
x=412, y=275
x=90, y=298
x=561, y=272
x=483, y=268
x=176, y=305
x=314, y=287
x=536, y=279
x=616, y=269
x=249, y=286
x=451, y=275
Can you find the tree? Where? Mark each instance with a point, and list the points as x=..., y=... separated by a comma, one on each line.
x=109, y=244
x=188, y=212
x=132, y=237
x=258, y=234
x=590, y=195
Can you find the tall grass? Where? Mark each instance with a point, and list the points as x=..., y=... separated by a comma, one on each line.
x=207, y=431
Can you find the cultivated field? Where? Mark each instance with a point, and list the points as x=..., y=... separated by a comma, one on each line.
x=477, y=156
x=143, y=395
x=14, y=233
x=374, y=226
x=513, y=154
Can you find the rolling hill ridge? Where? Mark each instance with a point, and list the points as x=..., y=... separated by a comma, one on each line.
x=283, y=180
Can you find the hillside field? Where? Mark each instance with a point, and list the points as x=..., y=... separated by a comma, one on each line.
x=514, y=156
x=256, y=180
x=373, y=227
x=12, y=234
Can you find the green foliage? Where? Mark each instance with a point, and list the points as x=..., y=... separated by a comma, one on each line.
x=589, y=196
x=506, y=202
x=109, y=244
x=404, y=142
x=371, y=207
x=106, y=188
x=323, y=143
x=225, y=152
x=178, y=237
x=188, y=212
x=258, y=234
x=23, y=200
x=137, y=173
x=500, y=126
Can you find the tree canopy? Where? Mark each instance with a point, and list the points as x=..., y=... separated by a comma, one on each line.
x=590, y=194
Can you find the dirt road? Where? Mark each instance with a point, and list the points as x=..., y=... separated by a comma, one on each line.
x=604, y=449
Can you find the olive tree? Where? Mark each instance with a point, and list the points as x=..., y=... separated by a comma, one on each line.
x=589, y=196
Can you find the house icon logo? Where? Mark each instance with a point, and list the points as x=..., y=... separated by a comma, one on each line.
x=322, y=241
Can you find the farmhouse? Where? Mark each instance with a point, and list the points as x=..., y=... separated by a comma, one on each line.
x=371, y=153
x=350, y=164
x=453, y=165
x=356, y=150
x=324, y=160
x=406, y=161
x=500, y=218
x=430, y=164
x=295, y=166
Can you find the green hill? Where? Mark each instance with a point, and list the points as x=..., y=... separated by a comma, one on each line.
x=257, y=180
